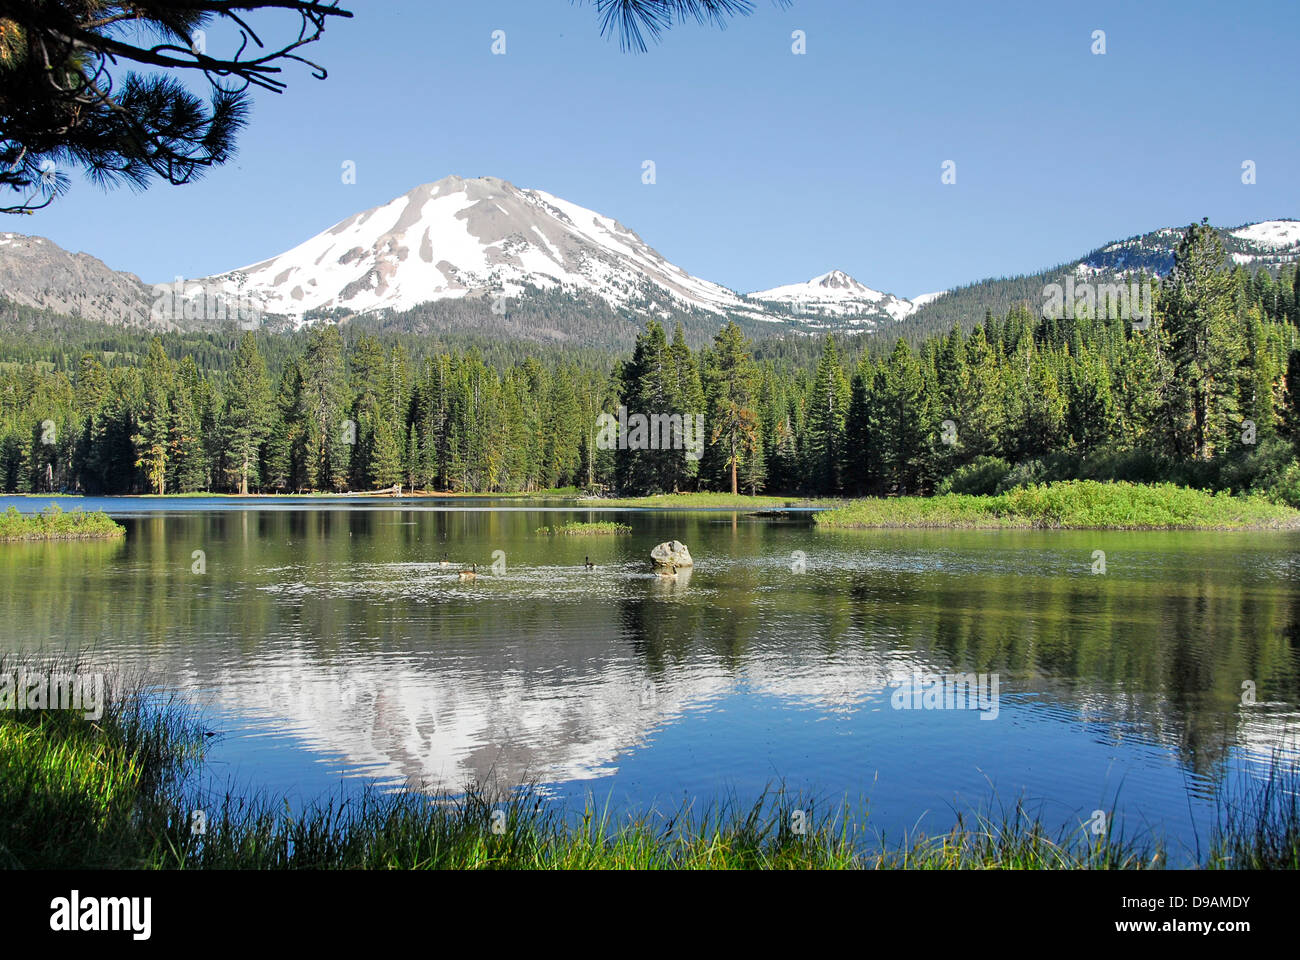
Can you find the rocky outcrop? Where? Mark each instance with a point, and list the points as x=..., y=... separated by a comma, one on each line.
x=671, y=554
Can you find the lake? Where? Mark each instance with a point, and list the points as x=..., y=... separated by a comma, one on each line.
x=328, y=649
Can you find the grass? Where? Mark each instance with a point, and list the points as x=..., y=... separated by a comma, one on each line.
x=574, y=528
x=54, y=524
x=79, y=793
x=112, y=794
x=1073, y=504
x=696, y=500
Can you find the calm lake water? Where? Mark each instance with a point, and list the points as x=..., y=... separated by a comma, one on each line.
x=329, y=649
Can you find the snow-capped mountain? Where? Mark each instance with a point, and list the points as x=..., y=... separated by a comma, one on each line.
x=485, y=256
x=837, y=295
x=471, y=238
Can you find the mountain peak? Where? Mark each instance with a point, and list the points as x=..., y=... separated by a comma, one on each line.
x=455, y=183
x=837, y=280
x=837, y=295
x=462, y=238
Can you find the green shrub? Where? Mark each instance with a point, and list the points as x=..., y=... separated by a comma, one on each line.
x=1022, y=475
x=978, y=478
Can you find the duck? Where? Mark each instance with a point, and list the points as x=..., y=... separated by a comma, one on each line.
x=586, y=562
x=670, y=573
x=471, y=573
x=444, y=562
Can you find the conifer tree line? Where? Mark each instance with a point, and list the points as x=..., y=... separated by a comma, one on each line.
x=1208, y=394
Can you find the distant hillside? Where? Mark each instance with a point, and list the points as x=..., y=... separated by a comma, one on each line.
x=35, y=272
x=1273, y=245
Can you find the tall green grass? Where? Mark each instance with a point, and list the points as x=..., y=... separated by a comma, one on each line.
x=1075, y=504
x=1259, y=823
x=54, y=524
x=84, y=793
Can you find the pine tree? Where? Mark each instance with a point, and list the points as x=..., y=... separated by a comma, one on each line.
x=732, y=418
x=1205, y=343
x=861, y=468
x=827, y=408
x=248, y=413
x=899, y=424
x=648, y=392
x=330, y=434
x=186, y=447
x=1090, y=413
x=386, y=457
x=1261, y=375
x=153, y=427
x=980, y=399
x=688, y=393
x=412, y=460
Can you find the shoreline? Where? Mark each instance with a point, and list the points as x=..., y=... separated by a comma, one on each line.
x=1062, y=505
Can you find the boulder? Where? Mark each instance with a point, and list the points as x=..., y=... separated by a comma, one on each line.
x=671, y=554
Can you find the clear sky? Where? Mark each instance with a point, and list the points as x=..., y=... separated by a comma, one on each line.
x=772, y=167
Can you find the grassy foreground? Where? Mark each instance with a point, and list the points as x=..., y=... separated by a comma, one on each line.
x=76, y=793
x=1073, y=504
x=53, y=524
x=574, y=528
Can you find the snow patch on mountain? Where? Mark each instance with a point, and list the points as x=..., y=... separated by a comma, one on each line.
x=923, y=299
x=1275, y=234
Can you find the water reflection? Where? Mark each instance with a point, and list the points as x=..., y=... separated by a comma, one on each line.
x=338, y=634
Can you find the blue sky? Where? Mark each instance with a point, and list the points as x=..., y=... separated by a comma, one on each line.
x=771, y=167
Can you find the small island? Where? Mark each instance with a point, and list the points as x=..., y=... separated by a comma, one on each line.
x=574, y=528
x=55, y=524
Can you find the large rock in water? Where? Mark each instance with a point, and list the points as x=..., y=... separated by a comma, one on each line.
x=671, y=554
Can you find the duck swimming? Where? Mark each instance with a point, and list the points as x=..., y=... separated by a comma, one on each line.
x=471, y=573
x=586, y=561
